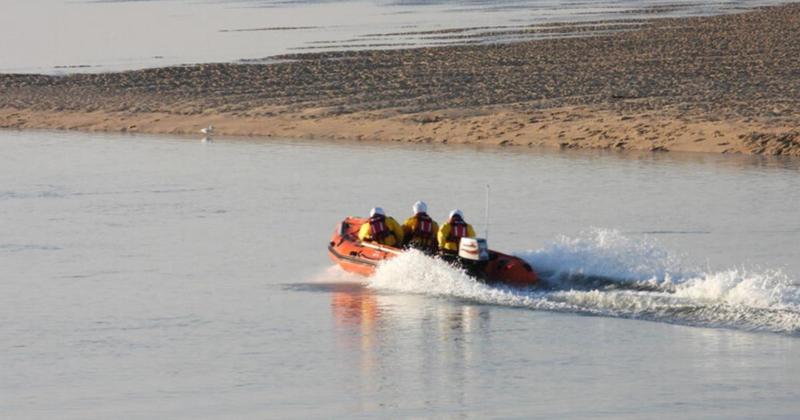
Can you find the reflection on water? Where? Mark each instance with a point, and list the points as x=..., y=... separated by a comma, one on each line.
x=439, y=340
x=454, y=354
x=353, y=304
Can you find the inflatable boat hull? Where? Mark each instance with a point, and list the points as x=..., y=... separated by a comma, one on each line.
x=352, y=255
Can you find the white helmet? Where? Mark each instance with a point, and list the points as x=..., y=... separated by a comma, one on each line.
x=456, y=212
x=376, y=211
x=420, y=207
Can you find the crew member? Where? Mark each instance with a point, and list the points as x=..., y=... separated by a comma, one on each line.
x=450, y=233
x=420, y=230
x=381, y=229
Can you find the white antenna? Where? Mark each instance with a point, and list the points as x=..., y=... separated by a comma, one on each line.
x=486, y=223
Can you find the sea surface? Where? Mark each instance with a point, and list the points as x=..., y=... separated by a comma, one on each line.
x=67, y=36
x=152, y=277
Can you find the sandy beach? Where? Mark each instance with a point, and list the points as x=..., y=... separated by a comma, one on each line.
x=723, y=84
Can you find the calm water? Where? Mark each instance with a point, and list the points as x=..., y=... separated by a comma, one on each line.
x=60, y=36
x=149, y=277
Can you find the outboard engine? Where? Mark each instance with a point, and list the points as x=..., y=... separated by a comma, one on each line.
x=473, y=249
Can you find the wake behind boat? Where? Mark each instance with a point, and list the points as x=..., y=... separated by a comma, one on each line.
x=356, y=256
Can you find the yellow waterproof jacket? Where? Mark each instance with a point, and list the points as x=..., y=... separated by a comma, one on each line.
x=417, y=240
x=393, y=237
x=449, y=243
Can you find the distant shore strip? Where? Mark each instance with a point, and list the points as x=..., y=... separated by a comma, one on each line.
x=721, y=84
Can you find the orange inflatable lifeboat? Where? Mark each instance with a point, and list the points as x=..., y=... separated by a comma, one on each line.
x=346, y=250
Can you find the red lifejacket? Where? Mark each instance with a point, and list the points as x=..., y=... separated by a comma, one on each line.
x=424, y=226
x=378, y=230
x=458, y=230
x=422, y=237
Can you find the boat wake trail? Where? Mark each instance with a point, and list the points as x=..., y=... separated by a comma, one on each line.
x=605, y=273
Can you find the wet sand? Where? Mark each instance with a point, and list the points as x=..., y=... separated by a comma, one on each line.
x=726, y=84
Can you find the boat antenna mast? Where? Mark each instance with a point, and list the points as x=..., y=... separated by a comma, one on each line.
x=486, y=221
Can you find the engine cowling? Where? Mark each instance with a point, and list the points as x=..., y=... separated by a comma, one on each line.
x=473, y=249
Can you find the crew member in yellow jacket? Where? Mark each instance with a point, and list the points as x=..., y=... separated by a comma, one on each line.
x=381, y=229
x=450, y=233
x=420, y=230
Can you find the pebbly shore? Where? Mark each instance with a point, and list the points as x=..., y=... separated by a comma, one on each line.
x=726, y=84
